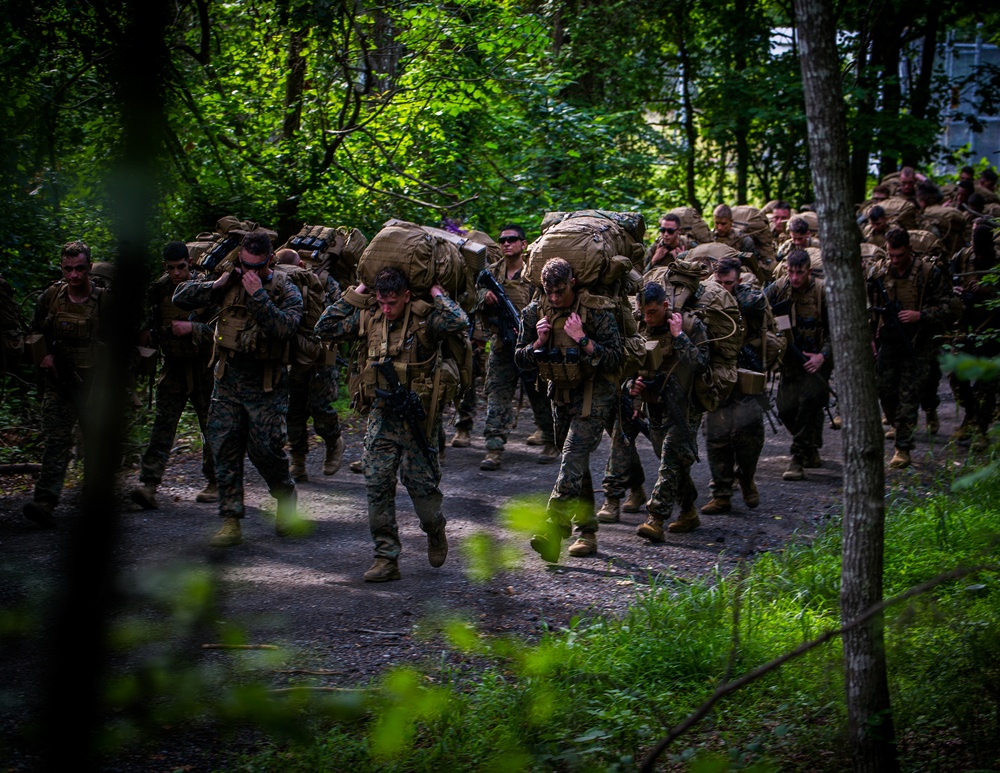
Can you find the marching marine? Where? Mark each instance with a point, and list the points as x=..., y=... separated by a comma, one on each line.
x=260, y=313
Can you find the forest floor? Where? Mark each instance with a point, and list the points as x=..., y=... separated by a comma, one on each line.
x=306, y=595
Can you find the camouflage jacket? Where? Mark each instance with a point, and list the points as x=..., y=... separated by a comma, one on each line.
x=342, y=320
x=600, y=327
x=753, y=308
x=922, y=287
x=160, y=293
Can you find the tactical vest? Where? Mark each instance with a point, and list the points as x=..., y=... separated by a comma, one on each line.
x=807, y=331
x=180, y=347
x=668, y=366
x=908, y=291
x=560, y=364
x=237, y=331
x=72, y=327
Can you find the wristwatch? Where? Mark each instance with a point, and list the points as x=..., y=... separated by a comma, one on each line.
x=583, y=342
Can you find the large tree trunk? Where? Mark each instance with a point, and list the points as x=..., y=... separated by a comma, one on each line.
x=862, y=133
x=690, y=132
x=742, y=130
x=869, y=711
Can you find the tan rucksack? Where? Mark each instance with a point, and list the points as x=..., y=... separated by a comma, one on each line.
x=755, y=224
x=335, y=251
x=692, y=224
x=216, y=251
x=948, y=223
x=901, y=212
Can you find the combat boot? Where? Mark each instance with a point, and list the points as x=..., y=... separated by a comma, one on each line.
x=686, y=521
x=636, y=500
x=890, y=434
x=535, y=439
x=900, y=459
x=208, y=494
x=40, y=513
x=717, y=505
x=437, y=547
x=383, y=570
x=286, y=520
x=297, y=469
x=933, y=423
x=610, y=511
x=357, y=466
x=229, y=535
x=586, y=545
x=547, y=546
x=549, y=454
x=461, y=439
x=145, y=496
x=751, y=497
x=334, y=457
x=812, y=461
x=652, y=529
x=492, y=459
x=794, y=471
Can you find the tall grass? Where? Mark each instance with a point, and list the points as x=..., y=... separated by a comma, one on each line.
x=596, y=697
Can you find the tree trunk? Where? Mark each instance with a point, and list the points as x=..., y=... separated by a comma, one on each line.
x=886, y=54
x=690, y=132
x=920, y=99
x=862, y=132
x=870, y=715
x=742, y=122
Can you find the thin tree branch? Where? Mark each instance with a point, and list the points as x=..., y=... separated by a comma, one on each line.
x=729, y=687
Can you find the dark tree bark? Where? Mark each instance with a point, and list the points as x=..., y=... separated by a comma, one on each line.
x=920, y=99
x=870, y=715
x=862, y=134
x=742, y=129
x=690, y=132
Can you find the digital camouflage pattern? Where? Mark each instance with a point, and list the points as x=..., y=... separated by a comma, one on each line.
x=572, y=497
x=244, y=419
x=390, y=450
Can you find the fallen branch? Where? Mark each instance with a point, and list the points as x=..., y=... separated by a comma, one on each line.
x=724, y=689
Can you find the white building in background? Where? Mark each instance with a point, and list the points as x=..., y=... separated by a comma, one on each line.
x=961, y=60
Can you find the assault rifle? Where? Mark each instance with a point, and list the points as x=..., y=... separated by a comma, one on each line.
x=404, y=402
x=631, y=427
x=507, y=317
x=890, y=316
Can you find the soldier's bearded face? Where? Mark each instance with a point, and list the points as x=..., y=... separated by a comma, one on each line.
x=393, y=305
x=178, y=270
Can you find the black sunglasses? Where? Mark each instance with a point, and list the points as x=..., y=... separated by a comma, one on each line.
x=508, y=239
x=668, y=230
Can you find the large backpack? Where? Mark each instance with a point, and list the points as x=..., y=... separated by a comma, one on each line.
x=306, y=348
x=335, y=251
x=900, y=211
x=948, y=223
x=688, y=286
x=215, y=251
x=692, y=224
x=815, y=265
x=755, y=224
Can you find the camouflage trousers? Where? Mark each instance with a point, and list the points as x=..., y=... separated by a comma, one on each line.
x=800, y=403
x=172, y=396
x=502, y=378
x=312, y=392
x=623, y=470
x=734, y=438
x=61, y=410
x=902, y=383
x=465, y=400
x=244, y=420
x=390, y=452
x=678, y=446
x=571, y=502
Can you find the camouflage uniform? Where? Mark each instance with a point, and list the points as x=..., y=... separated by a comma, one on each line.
x=734, y=432
x=503, y=375
x=312, y=391
x=978, y=324
x=185, y=376
x=582, y=401
x=674, y=426
x=72, y=334
x=802, y=396
x=736, y=239
x=902, y=376
x=391, y=450
x=250, y=397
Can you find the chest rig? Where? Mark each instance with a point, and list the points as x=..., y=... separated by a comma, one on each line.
x=180, y=347
x=406, y=343
x=803, y=325
x=238, y=335
x=73, y=327
x=666, y=361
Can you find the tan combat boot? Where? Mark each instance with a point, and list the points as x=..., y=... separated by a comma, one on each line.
x=297, y=469
x=383, y=570
x=751, y=497
x=492, y=459
x=610, y=511
x=686, y=521
x=636, y=500
x=437, y=548
x=586, y=545
x=229, y=535
x=357, y=466
x=794, y=471
x=334, y=457
x=549, y=454
x=535, y=438
x=717, y=505
x=461, y=439
x=652, y=529
x=900, y=459
x=933, y=422
x=890, y=434
x=812, y=461
x=145, y=496
x=208, y=494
